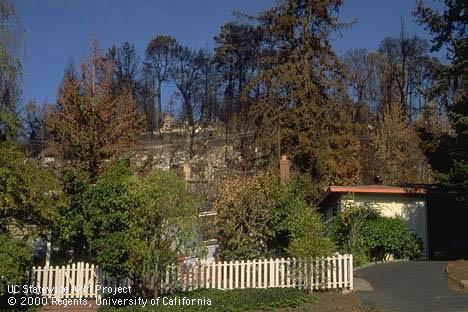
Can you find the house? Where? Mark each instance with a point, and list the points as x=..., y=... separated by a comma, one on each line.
x=407, y=202
x=168, y=123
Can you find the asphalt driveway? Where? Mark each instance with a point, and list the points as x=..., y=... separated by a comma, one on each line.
x=410, y=286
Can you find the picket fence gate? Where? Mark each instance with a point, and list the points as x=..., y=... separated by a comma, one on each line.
x=81, y=279
x=76, y=280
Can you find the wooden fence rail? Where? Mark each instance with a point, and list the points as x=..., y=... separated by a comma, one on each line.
x=85, y=280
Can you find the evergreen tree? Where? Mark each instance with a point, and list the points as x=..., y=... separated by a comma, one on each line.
x=298, y=108
x=11, y=39
x=450, y=157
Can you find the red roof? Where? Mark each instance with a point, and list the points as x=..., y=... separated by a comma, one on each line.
x=374, y=189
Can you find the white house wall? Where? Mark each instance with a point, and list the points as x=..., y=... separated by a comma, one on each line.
x=412, y=209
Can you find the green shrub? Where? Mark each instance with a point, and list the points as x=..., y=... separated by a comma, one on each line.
x=259, y=217
x=362, y=231
x=346, y=229
x=307, y=234
x=385, y=235
x=231, y=300
x=15, y=260
x=131, y=224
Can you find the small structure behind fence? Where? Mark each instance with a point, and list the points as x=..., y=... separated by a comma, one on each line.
x=85, y=280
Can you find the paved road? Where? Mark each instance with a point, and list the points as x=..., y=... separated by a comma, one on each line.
x=410, y=286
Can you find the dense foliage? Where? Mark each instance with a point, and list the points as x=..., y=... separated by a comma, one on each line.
x=449, y=151
x=260, y=217
x=232, y=300
x=90, y=121
x=15, y=260
x=28, y=193
x=130, y=223
x=296, y=90
x=361, y=230
x=307, y=233
x=28, y=196
x=106, y=207
x=11, y=42
x=397, y=154
x=385, y=235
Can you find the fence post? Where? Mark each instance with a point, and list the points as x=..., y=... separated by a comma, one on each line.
x=225, y=275
x=281, y=278
x=219, y=265
x=79, y=276
x=50, y=281
x=66, y=280
x=213, y=275
x=304, y=273
x=231, y=274
x=248, y=274
x=236, y=274
x=292, y=273
x=57, y=281
x=254, y=274
x=92, y=276
x=345, y=267
x=271, y=278
x=45, y=274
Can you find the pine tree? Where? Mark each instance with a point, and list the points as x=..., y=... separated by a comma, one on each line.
x=298, y=89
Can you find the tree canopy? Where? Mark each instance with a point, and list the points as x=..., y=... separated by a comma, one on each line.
x=299, y=83
x=91, y=123
x=11, y=41
x=450, y=156
x=129, y=223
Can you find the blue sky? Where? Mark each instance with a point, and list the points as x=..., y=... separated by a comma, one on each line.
x=60, y=30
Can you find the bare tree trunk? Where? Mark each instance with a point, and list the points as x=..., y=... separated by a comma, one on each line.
x=158, y=113
x=151, y=119
x=191, y=143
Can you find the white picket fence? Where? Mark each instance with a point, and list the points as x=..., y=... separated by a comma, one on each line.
x=77, y=280
x=80, y=280
x=315, y=274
